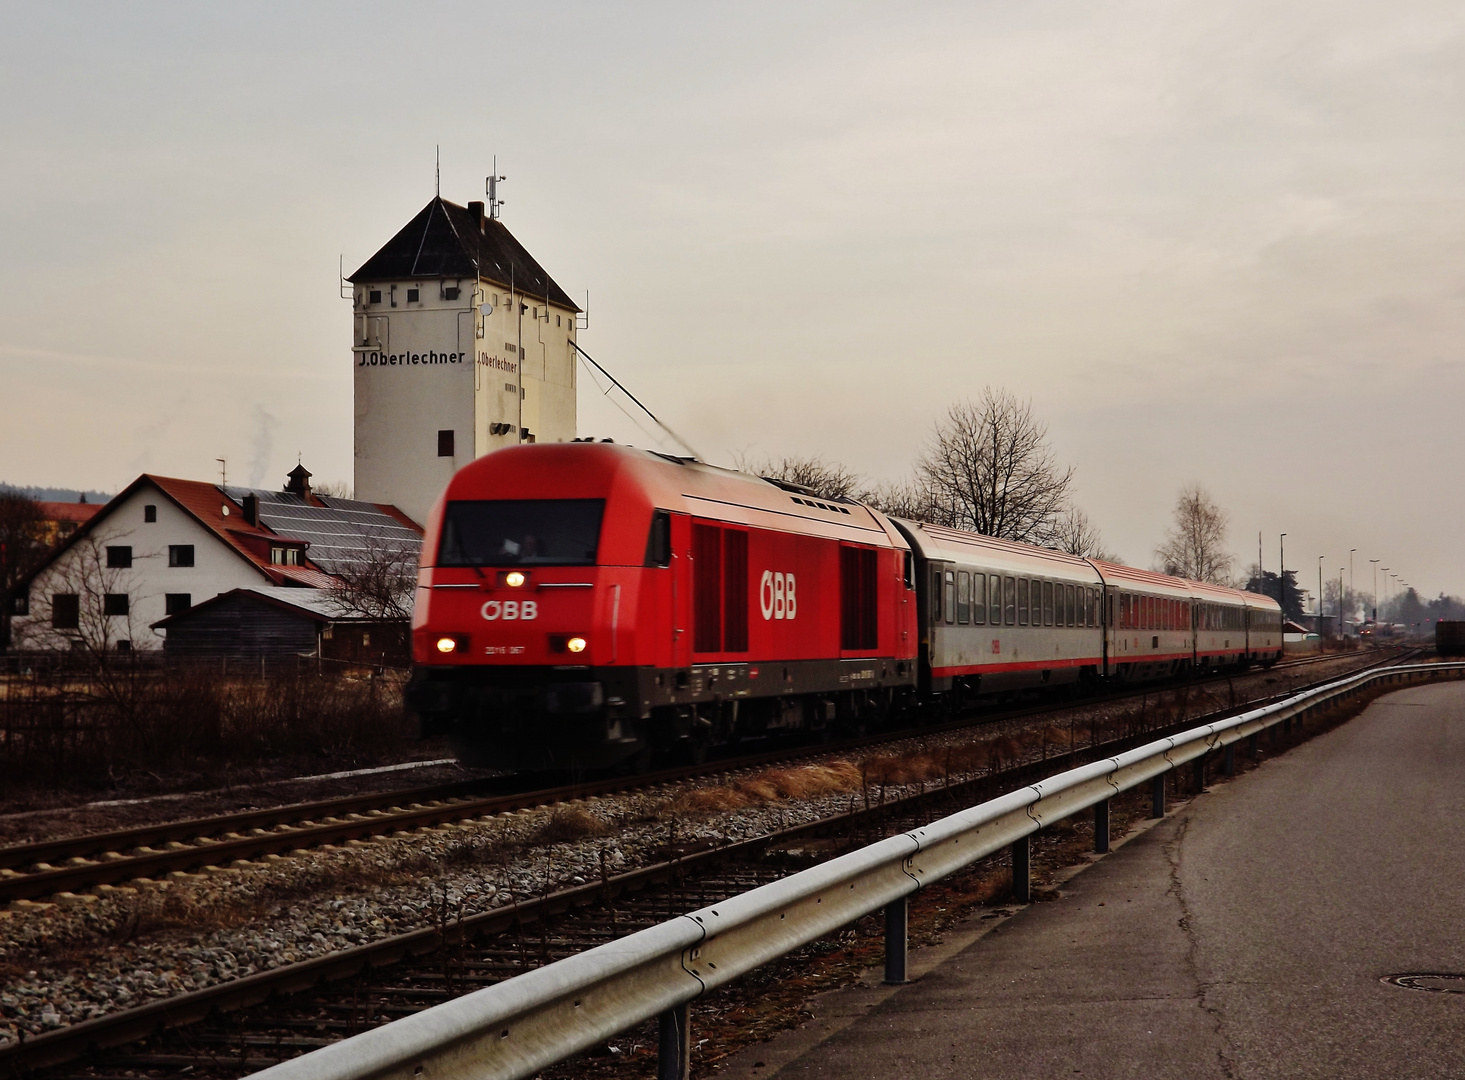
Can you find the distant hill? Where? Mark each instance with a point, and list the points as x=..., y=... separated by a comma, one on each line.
x=51, y=494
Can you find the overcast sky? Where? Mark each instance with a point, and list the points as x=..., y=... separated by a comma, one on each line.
x=1215, y=243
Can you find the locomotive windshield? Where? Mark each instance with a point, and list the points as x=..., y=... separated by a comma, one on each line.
x=521, y=532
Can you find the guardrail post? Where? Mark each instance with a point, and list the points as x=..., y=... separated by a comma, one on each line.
x=674, y=1046
x=1022, y=871
x=1230, y=759
x=1157, y=796
x=895, y=942
x=1101, y=827
x=1253, y=744
x=1200, y=774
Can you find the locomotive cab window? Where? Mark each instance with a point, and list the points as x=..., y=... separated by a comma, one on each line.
x=515, y=532
x=658, y=543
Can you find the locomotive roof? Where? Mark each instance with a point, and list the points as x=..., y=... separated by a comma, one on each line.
x=604, y=470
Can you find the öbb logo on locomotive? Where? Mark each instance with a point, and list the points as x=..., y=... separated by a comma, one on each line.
x=509, y=610
x=777, y=596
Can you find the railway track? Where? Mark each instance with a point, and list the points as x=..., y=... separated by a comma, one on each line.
x=69, y=866
x=239, y=1026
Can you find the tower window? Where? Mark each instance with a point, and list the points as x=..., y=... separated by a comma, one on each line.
x=452, y=292
x=412, y=295
x=444, y=444
x=376, y=296
x=150, y=513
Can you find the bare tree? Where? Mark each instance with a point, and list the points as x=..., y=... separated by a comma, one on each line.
x=1195, y=545
x=989, y=469
x=903, y=499
x=381, y=586
x=22, y=547
x=333, y=489
x=1077, y=535
x=826, y=479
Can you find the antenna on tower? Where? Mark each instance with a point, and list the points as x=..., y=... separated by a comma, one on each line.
x=223, y=472
x=491, y=187
x=437, y=173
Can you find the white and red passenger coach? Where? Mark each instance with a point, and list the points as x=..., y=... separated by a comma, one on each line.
x=586, y=604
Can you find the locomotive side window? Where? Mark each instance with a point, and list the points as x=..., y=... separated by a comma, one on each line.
x=1022, y=601
x=859, y=593
x=1009, y=599
x=979, y=599
x=908, y=572
x=963, y=597
x=658, y=543
x=515, y=532
x=949, y=602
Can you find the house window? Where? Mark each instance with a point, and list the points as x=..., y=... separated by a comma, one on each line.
x=174, y=602
x=150, y=512
x=116, y=603
x=20, y=604
x=180, y=554
x=376, y=296
x=123, y=645
x=119, y=558
x=65, y=611
x=285, y=556
x=452, y=292
x=444, y=444
x=412, y=295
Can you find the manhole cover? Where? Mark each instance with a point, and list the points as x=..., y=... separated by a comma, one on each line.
x=1438, y=984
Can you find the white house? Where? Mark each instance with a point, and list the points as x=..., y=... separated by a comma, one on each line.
x=164, y=544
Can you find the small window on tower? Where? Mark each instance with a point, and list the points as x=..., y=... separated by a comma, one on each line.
x=150, y=513
x=557, y=320
x=376, y=296
x=444, y=444
x=452, y=292
x=412, y=295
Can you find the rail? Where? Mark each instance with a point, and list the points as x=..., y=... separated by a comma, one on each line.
x=520, y=1026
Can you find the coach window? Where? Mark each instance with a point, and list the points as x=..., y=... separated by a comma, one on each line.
x=963, y=597
x=1022, y=601
x=1047, y=619
x=950, y=601
x=1070, y=605
x=994, y=607
x=936, y=595
x=1009, y=600
x=979, y=599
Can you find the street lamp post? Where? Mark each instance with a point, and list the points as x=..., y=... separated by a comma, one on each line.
x=1340, y=604
x=1375, y=589
x=1350, y=574
x=1385, y=569
x=1320, y=559
x=1282, y=574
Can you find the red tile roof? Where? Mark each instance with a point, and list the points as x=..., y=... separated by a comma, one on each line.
x=68, y=511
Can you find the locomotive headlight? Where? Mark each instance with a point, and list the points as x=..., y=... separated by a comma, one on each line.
x=447, y=644
x=513, y=579
x=576, y=644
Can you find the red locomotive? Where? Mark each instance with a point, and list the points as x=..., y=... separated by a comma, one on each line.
x=584, y=605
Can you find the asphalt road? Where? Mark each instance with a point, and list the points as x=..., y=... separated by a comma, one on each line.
x=1246, y=936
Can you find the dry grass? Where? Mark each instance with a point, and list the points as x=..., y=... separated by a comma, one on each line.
x=569, y=823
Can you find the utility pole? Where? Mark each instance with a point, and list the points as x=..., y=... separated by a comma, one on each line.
x=1375, y=589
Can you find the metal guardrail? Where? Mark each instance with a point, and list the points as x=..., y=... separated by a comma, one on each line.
x=517, y=1027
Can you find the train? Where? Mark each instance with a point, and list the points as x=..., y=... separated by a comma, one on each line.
x=589, y=605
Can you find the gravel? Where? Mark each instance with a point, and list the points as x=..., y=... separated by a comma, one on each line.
x=76, y=960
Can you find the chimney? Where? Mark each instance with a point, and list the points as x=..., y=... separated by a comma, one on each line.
x=299, y=484
x=251, y=510
x=476, y=209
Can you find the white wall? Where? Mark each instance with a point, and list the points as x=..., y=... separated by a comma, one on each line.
x=82, y=569
x=402, y=399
